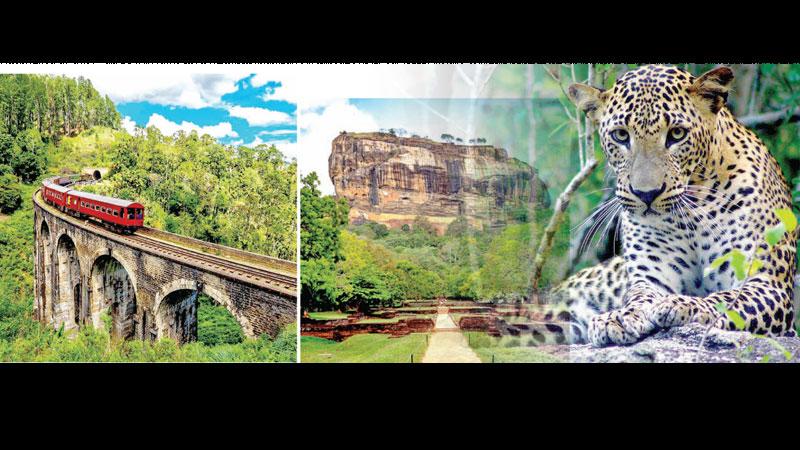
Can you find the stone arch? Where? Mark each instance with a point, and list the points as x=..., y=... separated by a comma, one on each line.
x=176, y=309
x=44, y=283
x=112, y=289
x=125, y=261
x=68, y=300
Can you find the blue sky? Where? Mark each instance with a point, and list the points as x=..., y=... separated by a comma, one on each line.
x=244, y=115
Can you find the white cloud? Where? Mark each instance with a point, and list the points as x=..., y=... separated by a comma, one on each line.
x=259, y=117
x=289, y=149
x=163, y=85
x=168, y=127
x=129, y=125
x=276, y=132
x=318, y=127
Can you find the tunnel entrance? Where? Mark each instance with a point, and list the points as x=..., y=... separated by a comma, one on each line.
x=67, y=310
x=192, y=316
x=96, y=175
x=112, y=292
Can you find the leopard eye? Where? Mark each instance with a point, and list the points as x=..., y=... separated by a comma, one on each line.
x=621, y=136
x=676, y=135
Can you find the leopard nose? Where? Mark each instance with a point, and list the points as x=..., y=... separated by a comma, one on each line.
x=649, y=196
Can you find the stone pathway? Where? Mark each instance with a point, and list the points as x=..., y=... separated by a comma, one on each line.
x=447, y=344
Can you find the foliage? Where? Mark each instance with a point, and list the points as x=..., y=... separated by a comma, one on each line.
x=321, y=219
x=10, y=195
x=215, y=324
x=194, y=186
x=52, y=105
x=95, y=345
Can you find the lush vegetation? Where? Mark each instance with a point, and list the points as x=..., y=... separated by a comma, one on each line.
x=90, y=344
x=215, y=324
x=194, y=186
x=54, y=106
x=365, y=348
x=190, y=184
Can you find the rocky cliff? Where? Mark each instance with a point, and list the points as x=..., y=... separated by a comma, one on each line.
x=391, y=180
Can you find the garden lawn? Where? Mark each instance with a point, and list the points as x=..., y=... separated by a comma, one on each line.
x=327, y=315
x=506, y=349
x=366, y=348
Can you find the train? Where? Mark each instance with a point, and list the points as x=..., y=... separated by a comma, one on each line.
x=122, y=216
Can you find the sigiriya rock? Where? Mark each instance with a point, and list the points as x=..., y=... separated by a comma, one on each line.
x=392, y=180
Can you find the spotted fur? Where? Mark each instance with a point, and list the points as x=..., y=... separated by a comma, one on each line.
x=692, y=184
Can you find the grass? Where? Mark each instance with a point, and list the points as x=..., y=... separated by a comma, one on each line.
x=327, y=315
x=364, y=348
x=506, y=349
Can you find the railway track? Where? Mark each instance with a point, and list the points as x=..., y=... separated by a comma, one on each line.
x=282, y=282
x=260, y=275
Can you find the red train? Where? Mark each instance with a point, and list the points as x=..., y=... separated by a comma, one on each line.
x=119, y=215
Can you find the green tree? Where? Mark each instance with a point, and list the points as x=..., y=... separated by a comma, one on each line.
x=10, y=196
x=321, y=219
x=6, y=148
x=372, y=288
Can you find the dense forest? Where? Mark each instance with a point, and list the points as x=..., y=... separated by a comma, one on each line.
x=53, y=106
x=191, y=185
x=345, y=266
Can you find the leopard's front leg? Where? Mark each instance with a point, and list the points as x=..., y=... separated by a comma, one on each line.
x=628, y=324
x=764, y=308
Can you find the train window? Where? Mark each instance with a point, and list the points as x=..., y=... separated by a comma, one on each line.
x=130, y=213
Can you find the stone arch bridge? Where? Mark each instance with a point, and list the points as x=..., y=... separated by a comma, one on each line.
x=148, y=282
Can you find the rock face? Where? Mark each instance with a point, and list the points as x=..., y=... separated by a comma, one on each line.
x=682, y=344
x=391, y=180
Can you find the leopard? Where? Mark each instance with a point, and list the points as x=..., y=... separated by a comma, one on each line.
x=692, y=185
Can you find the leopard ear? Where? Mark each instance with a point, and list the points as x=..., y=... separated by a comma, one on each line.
x=588, y=99
x=710, y=90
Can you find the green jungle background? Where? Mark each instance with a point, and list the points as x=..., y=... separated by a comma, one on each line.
x=191, y=185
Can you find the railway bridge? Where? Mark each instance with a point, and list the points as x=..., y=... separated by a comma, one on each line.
x=148, y=283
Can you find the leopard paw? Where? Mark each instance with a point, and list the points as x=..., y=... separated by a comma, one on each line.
x=676, y=311
x=619, y=327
